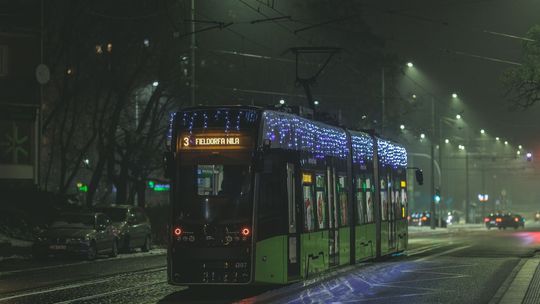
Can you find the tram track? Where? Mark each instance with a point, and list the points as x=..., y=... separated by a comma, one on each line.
x=90, y=285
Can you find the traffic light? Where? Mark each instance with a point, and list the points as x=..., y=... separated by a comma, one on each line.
x=437, y=196
x=82, y=187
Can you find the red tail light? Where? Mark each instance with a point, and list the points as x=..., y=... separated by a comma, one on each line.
x=178, y=231
x=486, y=219
x=498, y=220
x=516, y=219
x=245, y=231
x=424, y=218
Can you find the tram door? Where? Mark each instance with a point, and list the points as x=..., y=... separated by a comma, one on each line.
x=333, y=232
x=391, y=215
x=293, y=264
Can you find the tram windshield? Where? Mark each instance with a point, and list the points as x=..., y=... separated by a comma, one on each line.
x=215, y=193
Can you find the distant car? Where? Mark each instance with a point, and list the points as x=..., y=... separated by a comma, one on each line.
x=513, y=220
x=504, y=220
x=492, y=220
x=132, y=226
x=83, y=234
x=424, y=219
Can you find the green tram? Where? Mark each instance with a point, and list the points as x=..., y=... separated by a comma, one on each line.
x=263, y=196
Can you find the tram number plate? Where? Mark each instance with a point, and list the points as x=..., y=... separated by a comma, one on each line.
x=240, y=265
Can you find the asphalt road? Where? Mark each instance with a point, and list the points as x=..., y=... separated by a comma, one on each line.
x=446, y=266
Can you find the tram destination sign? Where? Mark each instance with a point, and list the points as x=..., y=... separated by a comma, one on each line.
x=214, y=141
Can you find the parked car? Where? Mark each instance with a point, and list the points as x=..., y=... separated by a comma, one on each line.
x=424, y=219
x=83, y=234
x=132, y=226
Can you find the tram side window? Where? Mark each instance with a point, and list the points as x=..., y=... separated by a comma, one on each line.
x=342, y=203
x=359, y=199
x=309, y=210
x=369, y=201
x=404, y=202
x=320, y=195
x=384, y=200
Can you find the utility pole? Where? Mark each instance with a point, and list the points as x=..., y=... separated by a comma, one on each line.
x=467, y=203
x=432, y=154
x=439, y=143
x=193, y=47
x=383, y=101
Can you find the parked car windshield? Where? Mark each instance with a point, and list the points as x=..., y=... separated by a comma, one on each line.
x=115, y=214
x=74, y=220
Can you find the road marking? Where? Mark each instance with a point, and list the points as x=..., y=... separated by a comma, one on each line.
x=101, y=295
x=442, y=253
x=81, y=284
x=518, y=288
x=155, y=252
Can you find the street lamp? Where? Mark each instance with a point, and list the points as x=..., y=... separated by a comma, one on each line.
x=447, y=141
x=454, y=95
x=422, y=136
x=413, y=96
x=316, y=102
x=506, y=143
x=402, y=127
x=497, y=138
x=410, y=64
x=281, y=101
x=520, y=147
x=483, y=131
x=155, y=84
x=458, y=116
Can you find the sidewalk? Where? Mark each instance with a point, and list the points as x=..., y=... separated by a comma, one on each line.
x=522, y=286
x=13, y=248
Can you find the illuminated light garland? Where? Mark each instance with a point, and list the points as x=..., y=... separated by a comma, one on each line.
x=287, y=131
x=172, y=117
x=291, y=132
x=362, y=145
x=391, y=154
x=217, y=118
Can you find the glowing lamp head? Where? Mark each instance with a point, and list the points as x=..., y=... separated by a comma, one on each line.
x=245, y=231
x=458, y=116
x=410, y=64
x=422, y=136
x=483, y=131
x=178, y=231
x=402, y=127
x=281, y=101
x=447, y=141
x=454, y=95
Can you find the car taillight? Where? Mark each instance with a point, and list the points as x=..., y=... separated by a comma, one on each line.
x=498, y=220
x=424, y=218
x=177, y=231
x=516, y=219
x=486, y=219
x=245, y=231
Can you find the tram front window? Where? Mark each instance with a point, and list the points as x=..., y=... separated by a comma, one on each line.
x=217, y=193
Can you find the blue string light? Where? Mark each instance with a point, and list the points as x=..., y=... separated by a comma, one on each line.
x=291, y=132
